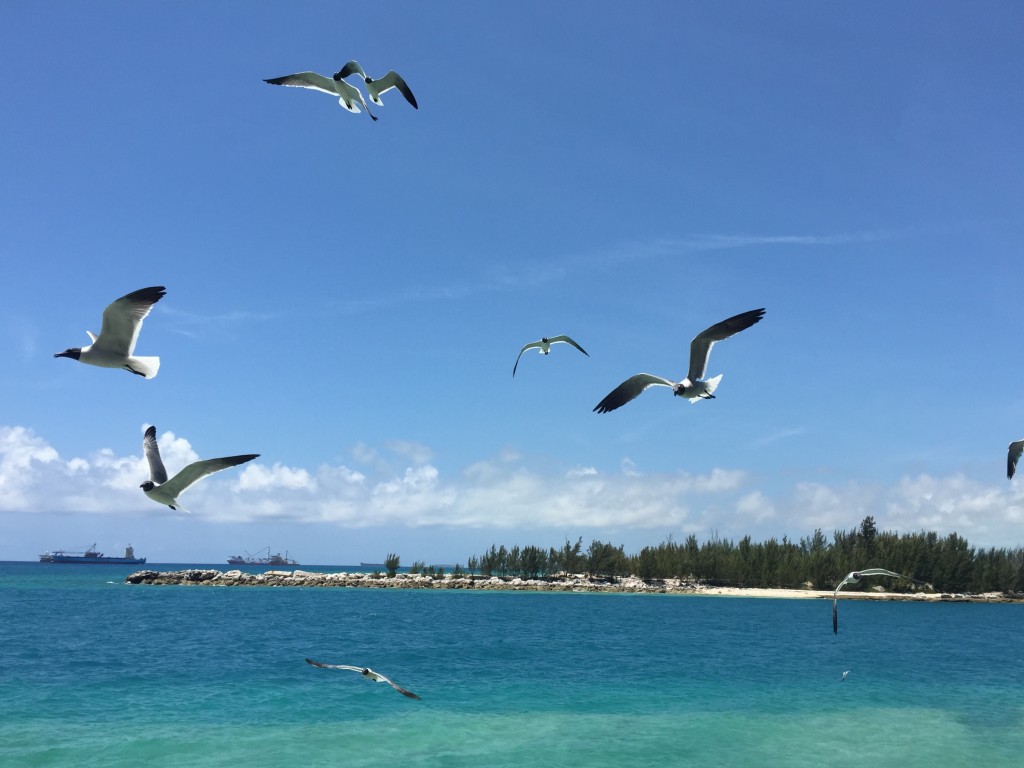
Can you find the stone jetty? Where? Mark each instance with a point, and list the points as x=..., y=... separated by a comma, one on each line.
x=573, y=583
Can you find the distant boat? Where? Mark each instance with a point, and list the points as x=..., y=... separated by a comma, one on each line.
x=372, y=565
x=262, y=559
x=91, y=556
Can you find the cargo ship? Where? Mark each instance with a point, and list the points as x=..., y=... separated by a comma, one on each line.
x=91, y=557
x=262, y=559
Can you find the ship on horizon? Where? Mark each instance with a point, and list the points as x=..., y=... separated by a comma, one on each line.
x=91, y=557
x=262, y=559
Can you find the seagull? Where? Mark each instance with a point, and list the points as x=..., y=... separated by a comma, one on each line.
x=115, y=346
x=376, y=87
x=348, y=95
x=1016, y=449
x=693, y=387
x=368, y=674
x=852, y=578
x=164, y=491
x=844, y=676
x=544, y=345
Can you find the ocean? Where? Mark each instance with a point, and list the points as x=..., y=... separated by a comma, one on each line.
x=94, y=672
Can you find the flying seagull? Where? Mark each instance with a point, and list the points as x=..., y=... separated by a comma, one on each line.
x=1016, y=449
x=368, y=674
x=376, y=87
x=115, y=346
x=544, y=345
x=852, y=578
x=844, y=676
x=348, y=95
x=164, y=491
x=693, y=387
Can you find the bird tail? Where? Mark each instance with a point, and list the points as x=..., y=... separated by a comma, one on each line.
x=145, y=366
x=709, y=387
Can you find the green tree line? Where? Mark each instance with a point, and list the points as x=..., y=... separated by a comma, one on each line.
x=948, y=564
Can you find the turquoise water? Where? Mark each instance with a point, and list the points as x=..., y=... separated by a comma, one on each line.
x=94, y=672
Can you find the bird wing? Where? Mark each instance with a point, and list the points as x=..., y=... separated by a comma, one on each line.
x=630, y=389
x=883, y=572
x=835, y=615
x=351, y=68
x=567, y=340
x=1016, y=449
x=396, y=686
x=122, y=320
x=700, y=347
x=157, y=473
x=306, y=80
x=531, y=345
x=333, y=666
x=394, y=80
x=200, y=469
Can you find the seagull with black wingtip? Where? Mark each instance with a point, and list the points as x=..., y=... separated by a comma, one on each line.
x=115, y=346
x=693, y=387
x=375, y=87
x=854, y=577
x=1013, y=456
x=164, y=491
x=368, y=673
x=544, y=346
x=348, y=95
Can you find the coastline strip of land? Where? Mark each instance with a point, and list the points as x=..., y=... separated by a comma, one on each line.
x=572, y=583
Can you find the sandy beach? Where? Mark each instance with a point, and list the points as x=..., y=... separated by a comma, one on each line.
x=575, y=583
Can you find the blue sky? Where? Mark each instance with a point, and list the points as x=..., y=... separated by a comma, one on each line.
x=347, y=298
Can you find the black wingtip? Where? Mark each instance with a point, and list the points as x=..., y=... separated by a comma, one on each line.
x=151, y=432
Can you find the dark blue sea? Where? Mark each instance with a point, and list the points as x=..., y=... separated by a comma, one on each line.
x=94, y=672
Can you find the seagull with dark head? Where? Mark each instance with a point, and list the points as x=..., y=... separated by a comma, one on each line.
x=164, y=491
x=693, y=387
x=368, y=673
x=115, y=346
x=544, y=345
x=349, y=96
x=854, y=577
x=375, y=87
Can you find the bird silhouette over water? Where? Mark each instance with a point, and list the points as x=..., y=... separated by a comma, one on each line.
x=854, y=577
x=368, y=673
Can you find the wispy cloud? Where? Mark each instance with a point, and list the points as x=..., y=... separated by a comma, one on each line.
x=528, y=274
x=195, y=324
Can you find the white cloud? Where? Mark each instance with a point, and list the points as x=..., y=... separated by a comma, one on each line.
x=504, y=494
x=258, y=477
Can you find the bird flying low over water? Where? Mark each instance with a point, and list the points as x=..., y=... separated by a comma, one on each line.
x=1012, y=456
x=854, y=577
x=164, y=491
x=115, y=346
x=544, y=345
x=376, y=87
x=693, y=387
x=368, y=674
x=843, y=680
x=348, y=95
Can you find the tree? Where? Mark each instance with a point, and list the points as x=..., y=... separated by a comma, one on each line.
x=391, y=564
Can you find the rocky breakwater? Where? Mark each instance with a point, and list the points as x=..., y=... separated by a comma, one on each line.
x=298, y=578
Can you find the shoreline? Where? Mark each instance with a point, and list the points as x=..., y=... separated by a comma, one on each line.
x=576, y=583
